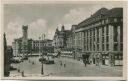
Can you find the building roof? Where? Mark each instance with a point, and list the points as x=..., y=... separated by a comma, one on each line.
x=115, y=12
x=100, y=11
x=90, y=19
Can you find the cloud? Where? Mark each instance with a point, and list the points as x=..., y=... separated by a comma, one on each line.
x=13, y=30
x=74, y=16
x=37, y=28
x=77, y=15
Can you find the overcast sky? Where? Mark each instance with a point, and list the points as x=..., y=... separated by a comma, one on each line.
x=45, y=18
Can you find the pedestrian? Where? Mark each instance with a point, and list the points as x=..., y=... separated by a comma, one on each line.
x=29, y=60
x=84, y=61
x=64, y=65
x=18, y=70
x=61, y=63
x=22, y=73
x=33, y=63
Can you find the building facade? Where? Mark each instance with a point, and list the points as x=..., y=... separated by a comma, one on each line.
x=59, y=40
x=20, y=45
x=16, y=46
x=100, y=37
x=39, y=46
x=24, y=46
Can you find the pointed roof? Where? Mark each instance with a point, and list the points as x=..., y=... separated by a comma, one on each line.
x=62, y=29
x=57, y=30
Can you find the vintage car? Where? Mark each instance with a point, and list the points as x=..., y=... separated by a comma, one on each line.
x=46, y=60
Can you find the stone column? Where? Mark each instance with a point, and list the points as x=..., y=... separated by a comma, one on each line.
x=92, y=40
x=88, y=40
x=85, y=42
x=100, y=39
x=95, y=39
x=111, y=45
x=105, y=38
x=111, y=40
x=118, y=37
x=82, y=41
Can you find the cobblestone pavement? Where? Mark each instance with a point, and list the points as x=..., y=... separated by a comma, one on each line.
x=68, y=68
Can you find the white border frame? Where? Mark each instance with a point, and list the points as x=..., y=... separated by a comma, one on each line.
x=68, y=2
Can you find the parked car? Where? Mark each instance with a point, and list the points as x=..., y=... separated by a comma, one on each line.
x=42, y=59
x=49, y=62
x=46, y=60
x=15, y=61
x=12, y=68
x=25, y=58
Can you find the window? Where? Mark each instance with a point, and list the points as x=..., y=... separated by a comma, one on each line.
x=102, y=39
x=90, y=32
x=121, y=47
x=115, y=47
x=107, y=30
x=102, y=47
x=94, y=32
x=115, y=33
x=87, y=33
x=87, y=47
x=94, y=47
x=107, y=47
x=94, y=39
x=111, y=20
x=102, y=21
x=97, y=39
x=121, y=34
x=97, y=47
x=102, y=31
x=107, y=38
x=90, y=47
x=97, y=31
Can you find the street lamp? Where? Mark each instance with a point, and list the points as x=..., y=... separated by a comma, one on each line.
x=43, y=37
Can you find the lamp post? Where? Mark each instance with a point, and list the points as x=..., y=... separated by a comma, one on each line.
x=43, y=37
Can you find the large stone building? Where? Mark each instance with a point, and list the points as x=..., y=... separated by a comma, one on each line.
x=39, y=46
x=16, y=46
x=70, y=42
x=20, y=45
x=59, y=40
x=100, y=37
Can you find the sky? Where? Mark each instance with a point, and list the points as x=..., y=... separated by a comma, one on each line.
x=45, y=18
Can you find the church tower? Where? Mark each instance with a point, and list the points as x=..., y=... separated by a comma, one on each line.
x=63, y=29
x=24, y=39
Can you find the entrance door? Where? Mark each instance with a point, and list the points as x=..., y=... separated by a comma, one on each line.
x=103, y=62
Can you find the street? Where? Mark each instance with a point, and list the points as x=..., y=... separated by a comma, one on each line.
x=65, y=67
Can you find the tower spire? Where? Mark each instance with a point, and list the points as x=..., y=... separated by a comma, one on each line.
x=62, y=29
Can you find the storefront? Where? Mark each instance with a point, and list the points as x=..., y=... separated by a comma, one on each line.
x=85, y=56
